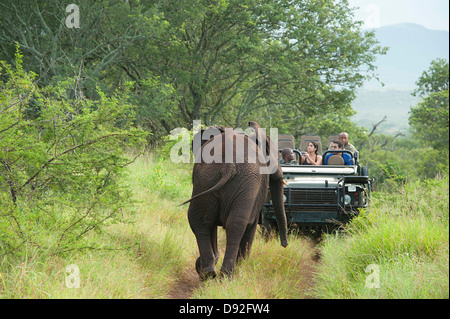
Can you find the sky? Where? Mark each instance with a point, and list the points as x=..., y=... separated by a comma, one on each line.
x=432, y=14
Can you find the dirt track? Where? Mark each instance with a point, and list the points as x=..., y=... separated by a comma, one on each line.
x=185, y=285
x=188, y=282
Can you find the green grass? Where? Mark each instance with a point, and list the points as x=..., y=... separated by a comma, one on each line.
x=404, y=233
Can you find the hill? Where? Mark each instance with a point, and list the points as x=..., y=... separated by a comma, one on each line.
x=411, y=50
x=372, y=105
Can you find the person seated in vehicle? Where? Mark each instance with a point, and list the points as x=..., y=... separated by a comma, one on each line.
x=288, y=157
x=343, y=137
x=337, y=145
x=310, y=157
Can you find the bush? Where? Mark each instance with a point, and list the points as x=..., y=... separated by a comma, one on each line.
x=60, y=165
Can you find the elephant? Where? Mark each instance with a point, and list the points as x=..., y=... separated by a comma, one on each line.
x=231, y=194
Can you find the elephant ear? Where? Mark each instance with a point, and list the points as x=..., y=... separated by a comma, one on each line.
x=269, y=147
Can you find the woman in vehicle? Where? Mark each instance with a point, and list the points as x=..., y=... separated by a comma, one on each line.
x=311, y=157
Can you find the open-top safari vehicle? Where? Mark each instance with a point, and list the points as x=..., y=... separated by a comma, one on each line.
x=319, y=198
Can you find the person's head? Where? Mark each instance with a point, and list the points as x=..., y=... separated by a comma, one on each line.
x=336, y=145
x=343, y=137
x=288, y=154
x=312, y=147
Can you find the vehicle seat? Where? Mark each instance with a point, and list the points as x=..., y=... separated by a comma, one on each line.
x=330, y=139
x=305, y=139
x=286, y=140
x=335, y=160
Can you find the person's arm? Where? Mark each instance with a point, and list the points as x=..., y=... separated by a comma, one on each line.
x=313, y=162
x=319, y=160
x=302, y=159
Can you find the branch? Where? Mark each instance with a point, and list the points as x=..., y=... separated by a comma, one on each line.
x=65, y=152
x=374, y=126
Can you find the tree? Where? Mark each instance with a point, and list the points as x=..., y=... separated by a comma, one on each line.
x=101, y=52
x=236, y=60
x=108, y=50
x=285, y=63
x=430, y=118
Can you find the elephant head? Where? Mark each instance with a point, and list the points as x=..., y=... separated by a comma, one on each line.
x=276, y=182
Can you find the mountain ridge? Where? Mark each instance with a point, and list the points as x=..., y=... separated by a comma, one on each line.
x=412, y=48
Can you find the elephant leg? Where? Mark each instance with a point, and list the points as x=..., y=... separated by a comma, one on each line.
x=206, y=233
x=213, y=239
x=247, y=241
x=240, y=228
x=232, y=250
x=236, y=226
x=205, y=264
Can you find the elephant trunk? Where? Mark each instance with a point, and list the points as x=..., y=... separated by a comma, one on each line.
x=276, y=191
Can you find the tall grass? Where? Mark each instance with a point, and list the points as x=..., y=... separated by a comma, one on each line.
x=138, y=259
x=270, y=272
x=405, y=234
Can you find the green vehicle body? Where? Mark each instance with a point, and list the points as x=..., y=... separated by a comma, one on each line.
x=320, y=198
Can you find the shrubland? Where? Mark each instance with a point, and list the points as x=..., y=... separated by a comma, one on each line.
x=404, y=233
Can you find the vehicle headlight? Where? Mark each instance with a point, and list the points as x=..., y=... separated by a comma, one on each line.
x=284, y=198
x=347, y=199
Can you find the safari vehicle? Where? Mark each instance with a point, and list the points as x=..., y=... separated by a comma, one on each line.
x=319, y=198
